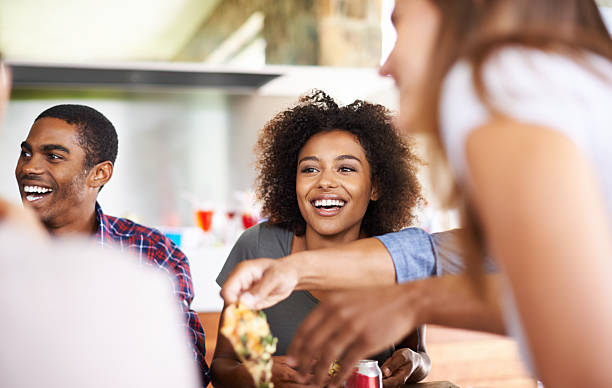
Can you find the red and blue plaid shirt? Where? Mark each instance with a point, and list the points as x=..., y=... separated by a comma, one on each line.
x=152, y=246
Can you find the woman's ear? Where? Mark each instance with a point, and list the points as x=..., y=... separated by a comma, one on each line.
x=374, y=192
x=100, y=174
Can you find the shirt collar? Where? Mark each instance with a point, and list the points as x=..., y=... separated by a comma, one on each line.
x=103, y=234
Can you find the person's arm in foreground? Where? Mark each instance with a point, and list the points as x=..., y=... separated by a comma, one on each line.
x=228, y=372
x=21, y=217
x=348, y=326
x=264, y=282
x=543, y=213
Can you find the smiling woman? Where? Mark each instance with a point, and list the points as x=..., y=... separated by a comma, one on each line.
x=328, y=175
x=392, y=163
x=333, y=187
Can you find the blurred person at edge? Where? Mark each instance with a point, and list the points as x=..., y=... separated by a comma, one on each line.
x=11, y=214
x=517, y=94
x=351, y=157
x=73, y=327
x=66, y=159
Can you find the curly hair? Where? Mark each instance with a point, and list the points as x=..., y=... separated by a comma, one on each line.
x=393, y=164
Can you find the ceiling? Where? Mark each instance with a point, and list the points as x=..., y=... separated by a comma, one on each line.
x=86, y=31
x=93, y=30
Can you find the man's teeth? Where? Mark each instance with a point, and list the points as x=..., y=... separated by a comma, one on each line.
x=328, y=202
x=36, y=189
x=33, y=197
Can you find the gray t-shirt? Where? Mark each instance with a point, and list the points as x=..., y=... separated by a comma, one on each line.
x=270, y=241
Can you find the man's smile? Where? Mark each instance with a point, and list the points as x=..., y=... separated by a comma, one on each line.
x=34, y=193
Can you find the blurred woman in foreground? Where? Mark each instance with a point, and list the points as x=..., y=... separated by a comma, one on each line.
x=518, y=95
x=522, y=112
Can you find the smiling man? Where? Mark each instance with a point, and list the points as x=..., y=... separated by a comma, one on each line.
x=65, y=161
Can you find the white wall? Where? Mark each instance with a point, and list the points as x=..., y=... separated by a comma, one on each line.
x=168, y=144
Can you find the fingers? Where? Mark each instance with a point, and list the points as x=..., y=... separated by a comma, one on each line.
x=284, y=375
x=397, y=380
x=241, y=279
x=333, y=350
x=400, y=358
x=276, y=284
x=260, y=283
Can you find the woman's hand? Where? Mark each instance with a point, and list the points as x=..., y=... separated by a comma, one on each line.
x=405, y=365
x=284, y=376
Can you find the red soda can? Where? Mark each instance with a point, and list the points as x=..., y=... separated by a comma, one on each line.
x=367, y=374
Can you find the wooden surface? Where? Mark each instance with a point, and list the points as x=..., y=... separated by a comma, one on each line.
x=210, y=322
x=474, y=359
x=432, y=384
x=465, y=358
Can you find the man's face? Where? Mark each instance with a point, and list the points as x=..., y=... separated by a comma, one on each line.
x=50, y=172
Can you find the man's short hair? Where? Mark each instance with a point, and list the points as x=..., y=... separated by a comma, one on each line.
x=96, y=133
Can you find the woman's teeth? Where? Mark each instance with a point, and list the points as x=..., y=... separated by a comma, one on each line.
x=328, y=203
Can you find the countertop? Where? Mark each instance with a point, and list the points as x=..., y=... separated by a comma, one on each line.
x=205, y=264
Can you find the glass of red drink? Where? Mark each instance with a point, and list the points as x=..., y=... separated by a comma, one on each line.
x=249, y=220
x=204, y=219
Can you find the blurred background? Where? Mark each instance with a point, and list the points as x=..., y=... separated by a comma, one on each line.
x=188, y=84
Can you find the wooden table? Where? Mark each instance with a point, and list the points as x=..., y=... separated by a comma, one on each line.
x=432, y=384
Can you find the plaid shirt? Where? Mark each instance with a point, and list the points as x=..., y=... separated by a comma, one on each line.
x=153, y=247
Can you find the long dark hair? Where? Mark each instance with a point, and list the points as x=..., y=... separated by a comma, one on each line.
x=473, y=30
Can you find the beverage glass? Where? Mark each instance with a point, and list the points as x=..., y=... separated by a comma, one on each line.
x=249, y=220
x=204, y=219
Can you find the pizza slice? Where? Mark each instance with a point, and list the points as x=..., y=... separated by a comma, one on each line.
x=249, y=333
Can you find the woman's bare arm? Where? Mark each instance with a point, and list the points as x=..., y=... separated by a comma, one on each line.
x=546, y=223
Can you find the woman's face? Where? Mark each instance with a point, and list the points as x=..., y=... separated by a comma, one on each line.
x=416, y=23
x=333, y=183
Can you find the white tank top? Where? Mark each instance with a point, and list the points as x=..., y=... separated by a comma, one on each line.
x=538, y=88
